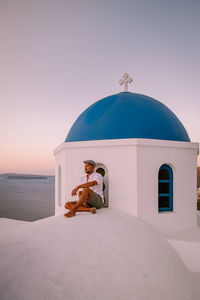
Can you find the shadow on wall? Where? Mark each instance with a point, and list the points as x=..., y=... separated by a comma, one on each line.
x=101, y=169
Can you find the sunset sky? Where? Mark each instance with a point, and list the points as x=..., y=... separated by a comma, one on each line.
x=59, y=56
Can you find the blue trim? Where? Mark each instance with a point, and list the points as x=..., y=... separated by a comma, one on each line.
x=164, y=181
x=127, y=115
x=170, y=194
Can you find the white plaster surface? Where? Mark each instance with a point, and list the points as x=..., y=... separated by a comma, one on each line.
x=182, y=158
x=189, y=252
x=187, y=245
x=110, y=255
x=133, y=166
x=9, y=226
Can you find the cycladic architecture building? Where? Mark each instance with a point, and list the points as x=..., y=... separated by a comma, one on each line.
x=143, y=152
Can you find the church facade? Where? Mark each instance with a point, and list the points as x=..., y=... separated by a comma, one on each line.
x=144, y=154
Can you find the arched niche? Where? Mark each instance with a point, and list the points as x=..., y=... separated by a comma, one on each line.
x=59, y=185
x=101, y=168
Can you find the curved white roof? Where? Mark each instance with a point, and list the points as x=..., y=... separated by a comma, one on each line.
x=110, y=255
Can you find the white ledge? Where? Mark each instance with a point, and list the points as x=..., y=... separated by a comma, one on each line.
x=128, y=142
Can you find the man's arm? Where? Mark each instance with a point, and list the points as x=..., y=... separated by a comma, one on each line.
x=84, y=185
x=87, y=184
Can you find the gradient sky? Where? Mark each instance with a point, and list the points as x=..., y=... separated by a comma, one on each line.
x=58, y=57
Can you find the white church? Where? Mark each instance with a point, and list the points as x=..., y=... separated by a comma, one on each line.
x=144, y=244
x=142, y=151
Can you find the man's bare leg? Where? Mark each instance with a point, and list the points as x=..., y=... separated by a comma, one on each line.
x=69, y=205
x=85, y=195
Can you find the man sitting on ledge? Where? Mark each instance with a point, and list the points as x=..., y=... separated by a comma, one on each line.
x=91, y=196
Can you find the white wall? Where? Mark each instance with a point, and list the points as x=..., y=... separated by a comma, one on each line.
x=182, y=157
x=120, y=161
x=133, y=166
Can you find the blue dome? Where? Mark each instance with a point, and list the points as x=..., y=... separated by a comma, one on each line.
x=127, y=115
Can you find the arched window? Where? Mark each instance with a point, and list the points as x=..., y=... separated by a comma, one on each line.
x=165, y=188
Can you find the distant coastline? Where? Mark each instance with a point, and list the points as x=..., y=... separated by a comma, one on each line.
x=24, y=176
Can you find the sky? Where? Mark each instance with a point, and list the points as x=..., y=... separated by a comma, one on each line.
x=58, y=57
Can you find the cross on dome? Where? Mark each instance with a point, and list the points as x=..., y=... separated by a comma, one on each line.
x=126, y=79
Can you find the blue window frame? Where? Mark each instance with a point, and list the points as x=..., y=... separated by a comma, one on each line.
x=165, y=188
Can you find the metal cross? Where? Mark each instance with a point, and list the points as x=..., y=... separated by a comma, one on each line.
x=126, y=79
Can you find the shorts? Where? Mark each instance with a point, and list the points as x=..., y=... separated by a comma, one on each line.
x=95, y=201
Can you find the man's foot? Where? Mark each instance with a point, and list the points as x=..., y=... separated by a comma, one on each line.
x=93, y=210
x=70, y=214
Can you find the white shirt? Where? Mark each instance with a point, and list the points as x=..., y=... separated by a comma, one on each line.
x=97, y=188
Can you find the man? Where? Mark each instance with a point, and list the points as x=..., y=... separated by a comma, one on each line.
x=91, y=196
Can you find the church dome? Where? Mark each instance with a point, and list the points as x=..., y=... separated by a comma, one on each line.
x=127, y=115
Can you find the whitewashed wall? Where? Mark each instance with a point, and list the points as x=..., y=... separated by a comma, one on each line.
x=182, y=158
x=120, y=161
x=132, y=167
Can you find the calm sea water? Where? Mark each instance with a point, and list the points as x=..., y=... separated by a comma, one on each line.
x=27, y=199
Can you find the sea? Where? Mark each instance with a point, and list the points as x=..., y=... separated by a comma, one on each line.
x=27, y=199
